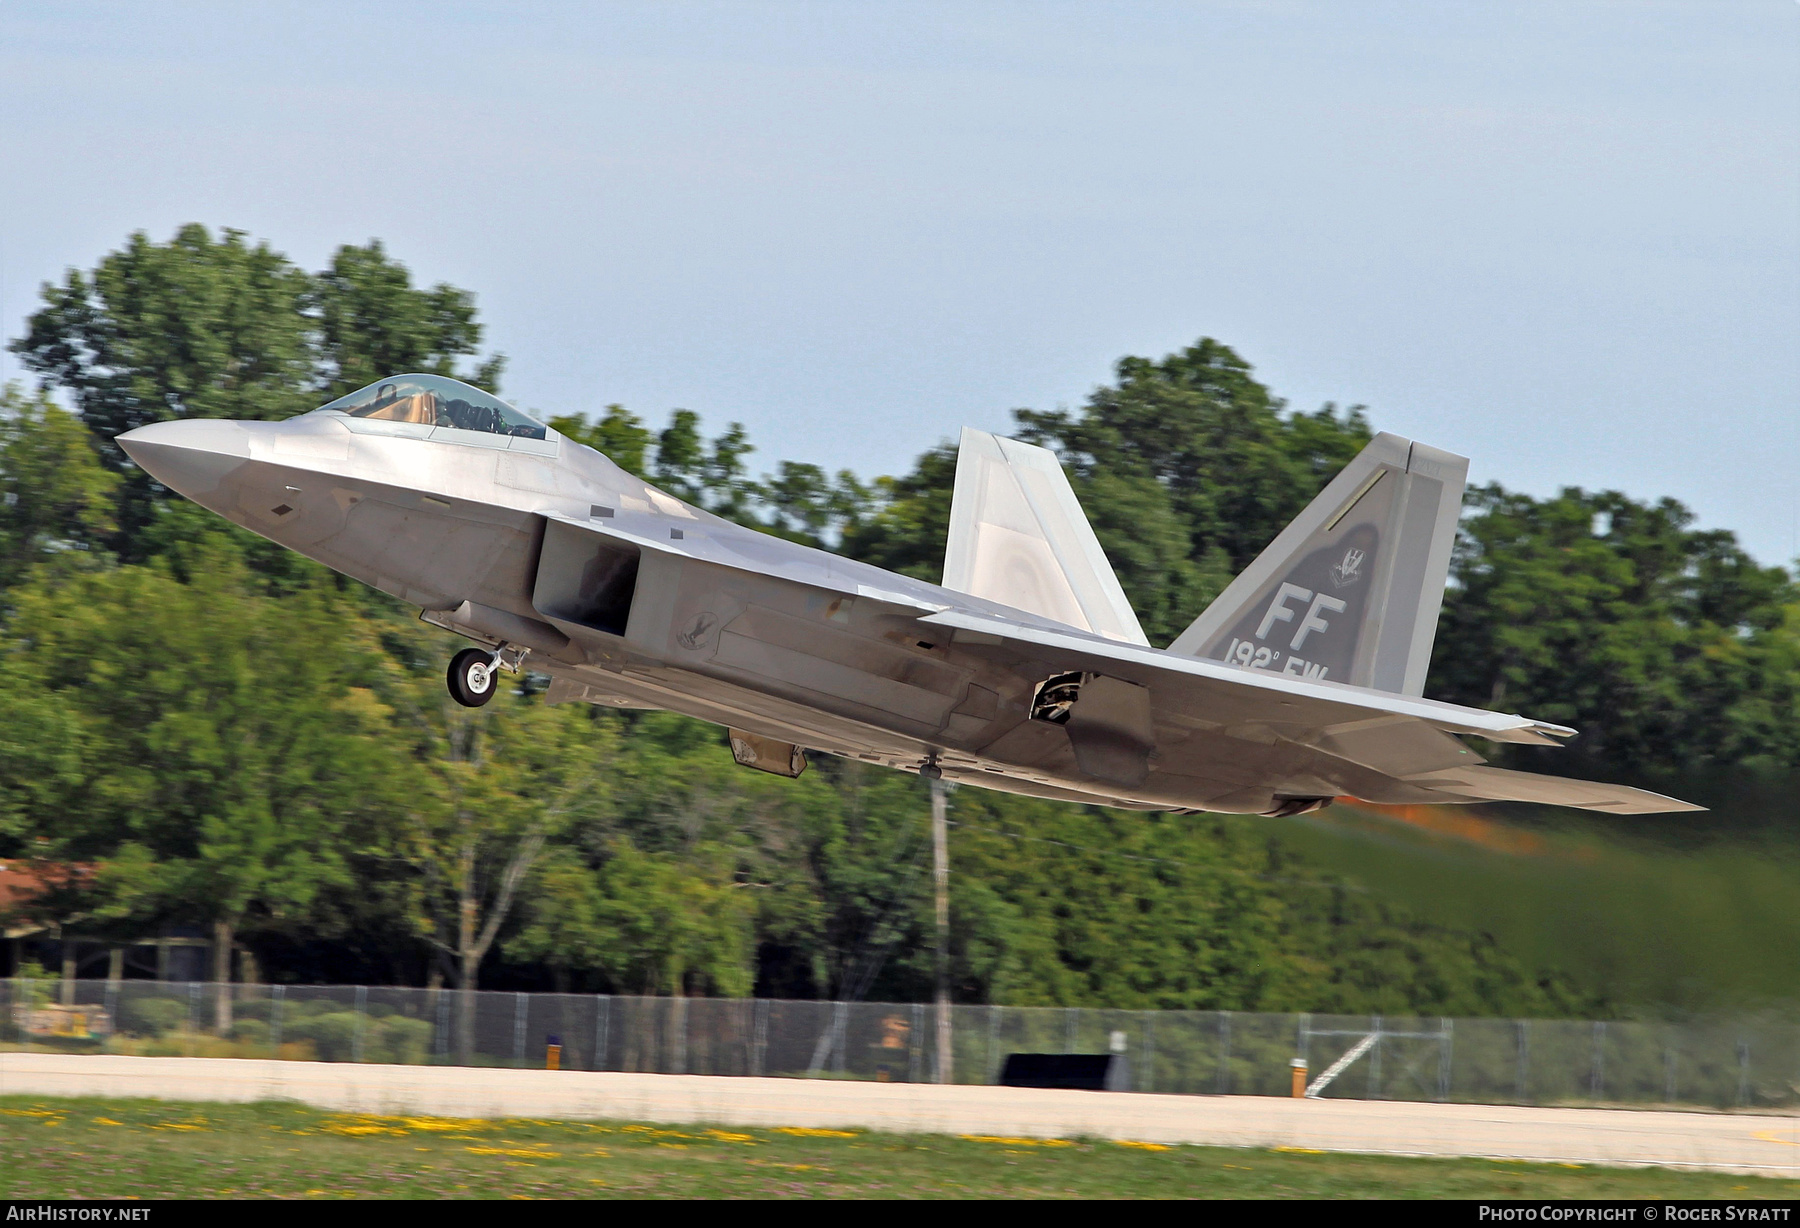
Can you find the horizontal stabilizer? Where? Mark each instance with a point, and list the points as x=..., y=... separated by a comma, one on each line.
x=1493, y=784
x=1018, y=537
x=1350, y=591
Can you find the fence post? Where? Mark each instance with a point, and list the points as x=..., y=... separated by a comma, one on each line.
x=840, y=1027
x=1444, y=1056
x=193, y=1006
x=993, y=1060
x=1597, y=1076
x=602, y=1029
x=1668, y=1073
x=1224, y=1053
x=16, y=996
x=1071, y=1014
x=519, y=1009
x=1375, y=1058
x=112, y=1000
x=1149, y=1051
x=760, y=1039
x=915, y=1047
x=443, y=1025
x=278, y=998
x=356, y=1044
x=1743, y=1095
x=1524, y=1029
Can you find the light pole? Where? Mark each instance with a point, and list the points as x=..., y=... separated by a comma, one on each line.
x=940, y=858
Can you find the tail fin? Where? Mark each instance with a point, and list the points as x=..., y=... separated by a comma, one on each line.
x=1349, y=591
x=1017, y=536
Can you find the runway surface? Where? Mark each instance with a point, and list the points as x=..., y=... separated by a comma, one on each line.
x=1727, y=1142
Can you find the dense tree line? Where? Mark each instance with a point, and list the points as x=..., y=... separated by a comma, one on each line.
x=232, y=737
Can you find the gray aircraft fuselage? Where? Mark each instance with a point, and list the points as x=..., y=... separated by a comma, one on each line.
x=629, y=597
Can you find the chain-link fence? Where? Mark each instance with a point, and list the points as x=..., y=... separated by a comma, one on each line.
x=1751, y=1061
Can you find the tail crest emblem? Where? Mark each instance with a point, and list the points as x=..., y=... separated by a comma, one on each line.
x=1349, y=571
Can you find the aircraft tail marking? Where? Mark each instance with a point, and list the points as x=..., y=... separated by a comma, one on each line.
x=1350, y=591
x=1018, y=536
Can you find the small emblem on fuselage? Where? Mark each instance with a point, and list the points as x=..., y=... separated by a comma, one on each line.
x=1350, y=570
x=698, y=631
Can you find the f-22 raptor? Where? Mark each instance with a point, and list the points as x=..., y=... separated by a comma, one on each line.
x=1025, y=671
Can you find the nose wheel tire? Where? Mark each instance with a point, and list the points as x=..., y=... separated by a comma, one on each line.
x=472, y=677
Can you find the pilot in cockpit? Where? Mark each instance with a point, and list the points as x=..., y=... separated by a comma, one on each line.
x=436, y=401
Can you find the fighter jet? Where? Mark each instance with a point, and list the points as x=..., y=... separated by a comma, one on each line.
x=1025, y=671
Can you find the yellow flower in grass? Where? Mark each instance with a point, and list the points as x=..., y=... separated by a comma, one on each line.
x=529, y=1153
x=442, y=1124
x=360, y=1131
x=1018, y=1142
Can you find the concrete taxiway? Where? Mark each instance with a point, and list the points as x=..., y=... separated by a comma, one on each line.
x=1727, y=1142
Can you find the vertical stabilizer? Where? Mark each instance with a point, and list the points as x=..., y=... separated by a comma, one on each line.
x=1350, y=591
x=1017, y=536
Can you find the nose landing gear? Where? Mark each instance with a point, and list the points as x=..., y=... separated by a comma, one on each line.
x=472, y=675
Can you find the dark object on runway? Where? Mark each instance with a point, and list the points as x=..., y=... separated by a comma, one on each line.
x=1090, y=1072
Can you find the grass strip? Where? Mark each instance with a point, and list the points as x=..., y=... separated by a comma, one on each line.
x=106, y=1148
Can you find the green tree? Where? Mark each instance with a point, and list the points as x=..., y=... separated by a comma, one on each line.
x=1173, y=912
x=710, y=474
x=372, y=322
x=619, y=436
x=680, y=465
x=679, y=925
x=230, y=762
x=194, y=328
x=1236, y=468
x=906, y=529
x=44, y=750
x=1664, y=644
x=501, y=783
x=55, y=495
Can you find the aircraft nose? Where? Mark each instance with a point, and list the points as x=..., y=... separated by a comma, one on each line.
x=192, y=456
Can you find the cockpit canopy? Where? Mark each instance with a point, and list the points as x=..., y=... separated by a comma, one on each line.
x=436, y=400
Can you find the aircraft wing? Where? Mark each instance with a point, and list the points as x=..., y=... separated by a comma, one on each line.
x=1242, y=694
x=1492, y=784
x=1383, y=730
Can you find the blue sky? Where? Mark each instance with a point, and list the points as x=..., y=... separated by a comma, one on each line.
x=1561, y=238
